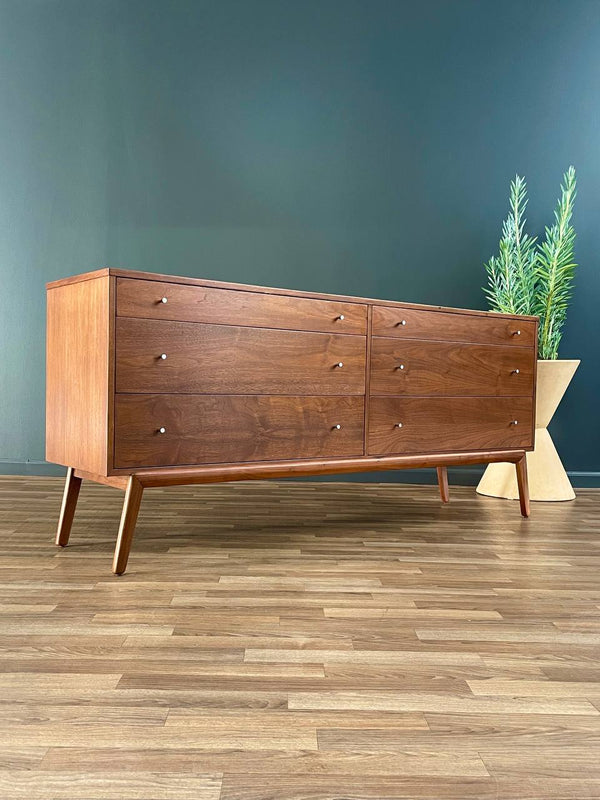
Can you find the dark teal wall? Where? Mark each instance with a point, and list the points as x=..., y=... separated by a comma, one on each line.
x=353, y=147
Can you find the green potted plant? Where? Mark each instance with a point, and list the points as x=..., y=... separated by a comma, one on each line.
x=530, y=277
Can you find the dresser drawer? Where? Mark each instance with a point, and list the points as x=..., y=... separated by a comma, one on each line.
x=224, y=359
x=415, y=367
x=141, y=298
x=410, y=323
x=433, y=425
x=203, y=429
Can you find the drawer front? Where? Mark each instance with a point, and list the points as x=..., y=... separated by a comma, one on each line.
x=141, y=298
x=202, y=429
x=435, y=425
x=223, y=359
x=414, y=367
x=410, y=323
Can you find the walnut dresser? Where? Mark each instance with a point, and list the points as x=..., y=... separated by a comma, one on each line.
x=155, y=380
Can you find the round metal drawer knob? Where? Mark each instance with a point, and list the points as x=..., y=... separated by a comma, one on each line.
x=162, y=430
x=517, y=333
x=337, y=427
x=400, y=366
x=516, y=371
x=340, y=364
x=514, y=422
x=398, y=425
x=402, y=322
x=341, y=317
x=163, y=356
x=163, y=300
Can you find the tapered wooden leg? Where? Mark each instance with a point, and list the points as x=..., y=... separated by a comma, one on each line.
x=442, y=473
x=521, y=467
x=67, y=509
x=131, y=506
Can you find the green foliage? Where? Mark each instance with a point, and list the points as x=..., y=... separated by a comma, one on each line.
x=511, y=274
x=555, y=270
x=527, y=277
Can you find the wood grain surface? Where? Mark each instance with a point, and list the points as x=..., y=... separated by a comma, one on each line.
x=300, y=641
x=226, y=359
x=416, y=367
x=426, y=424
x=301, y=468
x=180, y=280
x=140, y=298
x=234, y=428
x=79, y=375
x=413, y=323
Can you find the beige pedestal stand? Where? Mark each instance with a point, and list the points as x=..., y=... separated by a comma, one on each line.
x=547, y=477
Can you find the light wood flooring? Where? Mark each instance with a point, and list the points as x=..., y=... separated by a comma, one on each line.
x=300, y=641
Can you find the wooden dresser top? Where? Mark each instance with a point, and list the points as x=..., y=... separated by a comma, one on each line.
x=154, y=276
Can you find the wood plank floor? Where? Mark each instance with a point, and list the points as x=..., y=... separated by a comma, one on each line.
x=300, y=641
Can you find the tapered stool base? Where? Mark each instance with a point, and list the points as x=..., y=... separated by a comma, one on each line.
x=548, y=480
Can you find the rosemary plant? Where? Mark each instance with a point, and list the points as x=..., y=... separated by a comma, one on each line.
x=555, y=270
x=511, y=274
x=527, y=277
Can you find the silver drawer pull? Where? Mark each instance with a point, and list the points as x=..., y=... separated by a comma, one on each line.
x=400, y=366
x=516, y=371
x=341, y=317
x=163, y=356
x=163, y=300
x=162, y=430
x=516, y=333
x=340, y=364
x=402, y=322
x=514, y=422
x=398, y=425
x=337, y=427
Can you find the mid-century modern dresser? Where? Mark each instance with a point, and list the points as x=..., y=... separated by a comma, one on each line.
x=155, y=380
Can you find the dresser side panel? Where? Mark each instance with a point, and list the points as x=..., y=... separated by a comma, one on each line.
x=79, y=369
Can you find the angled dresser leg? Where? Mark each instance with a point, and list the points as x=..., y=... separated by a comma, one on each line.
x=131, y=506
x=67, y=509
x=442, y=473
x=521, y=467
